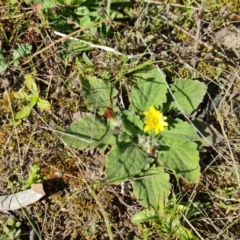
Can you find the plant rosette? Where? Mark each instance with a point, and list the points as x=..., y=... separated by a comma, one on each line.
x=147, y=143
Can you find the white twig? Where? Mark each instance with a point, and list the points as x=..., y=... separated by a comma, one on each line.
x=63, y=133
x=105, y=48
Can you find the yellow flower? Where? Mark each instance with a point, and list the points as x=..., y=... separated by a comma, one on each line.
x=155, y=120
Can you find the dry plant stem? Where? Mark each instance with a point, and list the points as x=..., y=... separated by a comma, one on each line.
x=188, y=119
x=18, y=16
x=193, y=228
x=21, y=199
x=24, y=153
x=175, y=5
x=32, y=235
x=56, y=131
x=190, y=35
x=53, y=229
x=228, y=144
x=170, y=91
x=221, y=232
x=61, y=40
x=106, y=220
x=70, y=36
x=105, y=48
x=198, y=31
x=227, y=91
x=14, y=126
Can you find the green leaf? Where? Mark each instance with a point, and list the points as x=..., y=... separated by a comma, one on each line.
x=33, y=177
x=191, y=209
x=98, y=94
x=10, y=221
x=44, y=104
x=18, y=232
x=46, y=4
x=23, y=113
x=125, y=161
x=21, y=51
x=3, y=63
x=132, y=123
x=32, y=99
x=116, y=14
x=30, y=84
x=75, y=47
x=20, y=94
x=15, y=63
x=143, y=216
x=87, y=60
x=182, y=159
x=124, y=137
x=188, y=93
x=152, y=189
x=178, y=132
x=81, y=11
x=150, y=89
x=89, y=132
x=172, y=224
x=88, y=20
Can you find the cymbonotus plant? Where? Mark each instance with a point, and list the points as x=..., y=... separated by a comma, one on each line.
x=150, y=140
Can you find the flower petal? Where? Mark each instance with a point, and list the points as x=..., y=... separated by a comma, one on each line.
x=155, y=120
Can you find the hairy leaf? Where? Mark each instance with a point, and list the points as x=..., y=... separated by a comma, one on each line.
x=150, y=89
x=178, y=132
x=188, y=93
x=98, y=94
x=89, y=132
x=183, y=159
x=125, y=161
x=152, y=189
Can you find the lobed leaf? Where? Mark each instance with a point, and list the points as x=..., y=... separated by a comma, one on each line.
x=89, y=132
x=150, y=89
x=152, y=189
x=98, y=94
x=132, y=123
x=182, y=159
x=188, y=93
x=3, y=63
x=21, y=51
x=124, y=161
x=178, y=132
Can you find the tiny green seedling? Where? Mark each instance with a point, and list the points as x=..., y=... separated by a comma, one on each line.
x=33, y=177
x=32, y=98
x=11, y=229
